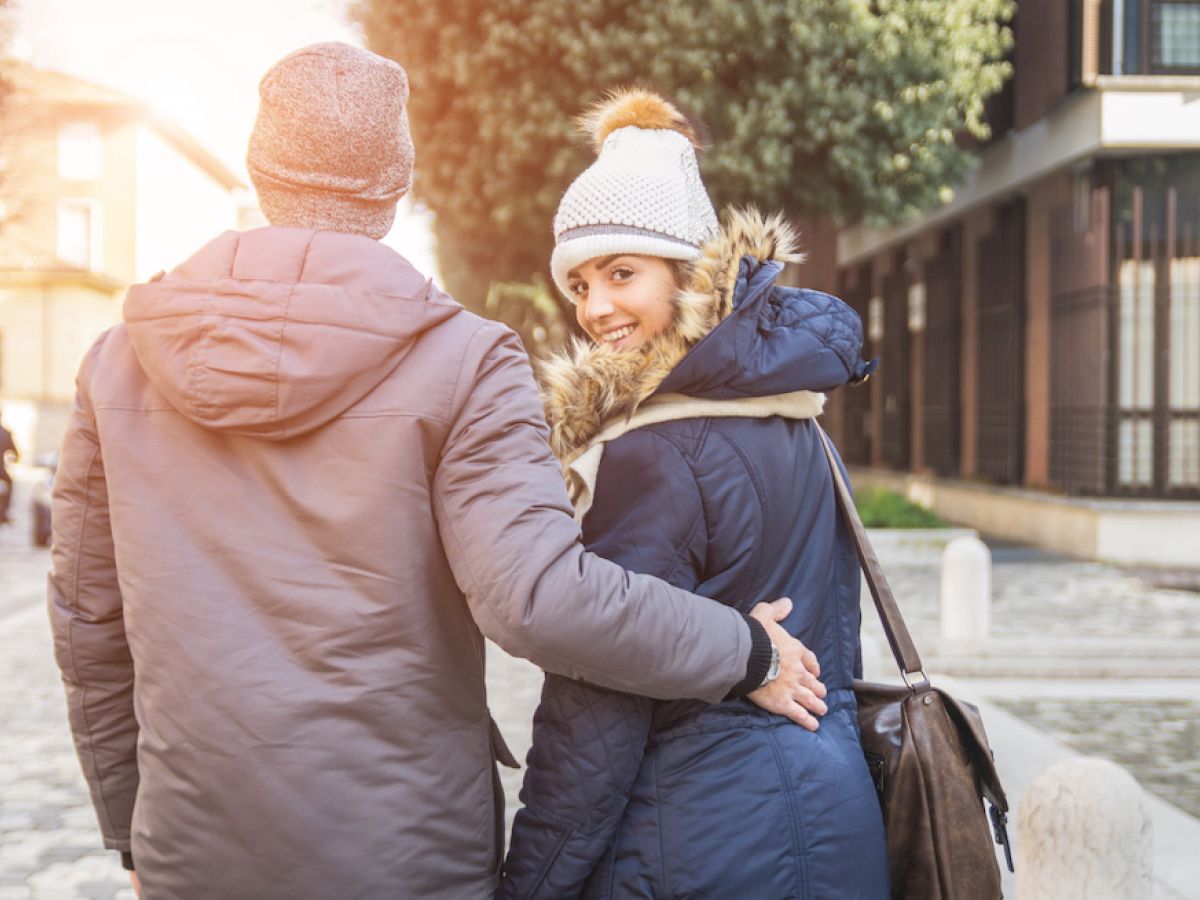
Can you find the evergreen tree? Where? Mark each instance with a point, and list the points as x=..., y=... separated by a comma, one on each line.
x=842, y=108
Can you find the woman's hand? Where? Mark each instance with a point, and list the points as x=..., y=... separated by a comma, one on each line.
x=796, y=692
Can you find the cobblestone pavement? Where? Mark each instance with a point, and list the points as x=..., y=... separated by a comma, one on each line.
x=1159, y=740
x=1039, y=594
x=50, y=846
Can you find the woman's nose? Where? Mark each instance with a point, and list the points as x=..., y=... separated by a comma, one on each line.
x=598, y=305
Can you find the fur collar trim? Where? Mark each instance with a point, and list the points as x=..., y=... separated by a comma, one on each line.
x=590, y=384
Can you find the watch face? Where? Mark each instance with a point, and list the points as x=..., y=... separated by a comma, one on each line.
x=773, y=668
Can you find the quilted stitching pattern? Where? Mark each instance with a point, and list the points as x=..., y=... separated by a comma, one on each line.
x=822, y=315
x=587, y=748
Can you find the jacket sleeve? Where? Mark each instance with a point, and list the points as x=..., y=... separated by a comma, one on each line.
x=514, y=547
x=88, y=626
x=588, y=742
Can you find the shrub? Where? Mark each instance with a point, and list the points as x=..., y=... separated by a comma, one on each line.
x=881, y=508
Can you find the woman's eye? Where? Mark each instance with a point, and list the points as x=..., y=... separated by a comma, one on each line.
x=577, y=289
x=621, y=273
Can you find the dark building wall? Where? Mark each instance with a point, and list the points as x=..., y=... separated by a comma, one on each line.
x=881, y=271
x=940, y=390
x=976, y=224
x=818, y=243
x=1040, y=57
x=853, y=403
x=1045, y=199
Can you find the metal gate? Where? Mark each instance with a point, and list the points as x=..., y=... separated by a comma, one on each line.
x=942, y=356
x=1179, y=359
x=894, y=370
x=855, y=445
x=1000, y=414
x=1079, y=340
x=1155, y=450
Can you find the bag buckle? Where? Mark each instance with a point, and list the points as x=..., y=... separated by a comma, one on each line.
x=1000, y=828
x=911, y=686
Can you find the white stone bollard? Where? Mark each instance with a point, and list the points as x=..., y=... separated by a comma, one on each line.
x=966, y=591
x=1084, y=831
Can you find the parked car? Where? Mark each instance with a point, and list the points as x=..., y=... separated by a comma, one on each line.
x=40, y=504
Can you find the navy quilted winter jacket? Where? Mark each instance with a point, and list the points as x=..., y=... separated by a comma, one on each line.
x=629, y=797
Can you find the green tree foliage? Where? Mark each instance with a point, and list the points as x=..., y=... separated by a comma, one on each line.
x=846, y=108
x=532, y=311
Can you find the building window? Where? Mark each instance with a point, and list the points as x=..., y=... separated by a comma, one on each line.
x=1155, y=37
x=1184, y=381
x=916, y=307
x=1175, y=35
x=79, y=151
x=1081, y=200
x=78, y=233
x=1135, y=374
x=875, y=319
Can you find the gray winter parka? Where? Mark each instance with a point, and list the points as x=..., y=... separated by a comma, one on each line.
x=297, y=485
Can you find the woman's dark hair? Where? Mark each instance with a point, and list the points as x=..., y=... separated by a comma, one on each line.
x=681, y=271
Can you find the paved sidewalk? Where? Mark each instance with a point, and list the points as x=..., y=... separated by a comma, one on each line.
x=1023, y=752
x=49, y=842
x=1039, y=595
x=50, y=845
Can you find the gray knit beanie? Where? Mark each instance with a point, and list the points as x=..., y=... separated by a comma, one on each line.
x=643, y=194
x=330, y=149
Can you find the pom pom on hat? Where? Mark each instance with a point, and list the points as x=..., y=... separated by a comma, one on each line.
x=634, y=108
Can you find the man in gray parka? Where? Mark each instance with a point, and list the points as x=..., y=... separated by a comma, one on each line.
x=298, y=483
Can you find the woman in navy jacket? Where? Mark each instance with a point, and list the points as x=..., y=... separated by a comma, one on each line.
x=687, y=433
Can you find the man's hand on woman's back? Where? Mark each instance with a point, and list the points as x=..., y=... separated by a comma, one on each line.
x=796, y=692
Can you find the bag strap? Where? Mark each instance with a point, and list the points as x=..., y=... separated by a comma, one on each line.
x=901, y=642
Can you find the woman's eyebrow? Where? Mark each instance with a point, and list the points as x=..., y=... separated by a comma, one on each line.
x=574, y=273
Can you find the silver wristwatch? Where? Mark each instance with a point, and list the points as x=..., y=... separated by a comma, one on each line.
x=773, y=668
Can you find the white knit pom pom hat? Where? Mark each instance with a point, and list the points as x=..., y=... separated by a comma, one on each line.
x=642, y=195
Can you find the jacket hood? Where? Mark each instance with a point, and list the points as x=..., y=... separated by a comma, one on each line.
x=735, y=334
x=272, y=332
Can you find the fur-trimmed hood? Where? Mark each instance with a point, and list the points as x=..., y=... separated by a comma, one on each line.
x=735, y=334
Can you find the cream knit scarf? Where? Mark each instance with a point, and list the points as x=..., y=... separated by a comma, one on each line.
x=582, y=470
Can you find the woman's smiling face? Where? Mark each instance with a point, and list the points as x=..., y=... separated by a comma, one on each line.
x=623, y=301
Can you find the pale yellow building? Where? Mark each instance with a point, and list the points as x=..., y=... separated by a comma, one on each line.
x=98, y=192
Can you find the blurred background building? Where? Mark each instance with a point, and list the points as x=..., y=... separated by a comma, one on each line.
x=94, y=187
x=1042, y=331
x=123, y=146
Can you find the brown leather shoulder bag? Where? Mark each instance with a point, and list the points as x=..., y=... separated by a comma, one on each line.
x=929, y=756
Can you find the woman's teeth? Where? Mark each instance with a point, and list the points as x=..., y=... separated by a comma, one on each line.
x=614, y=336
